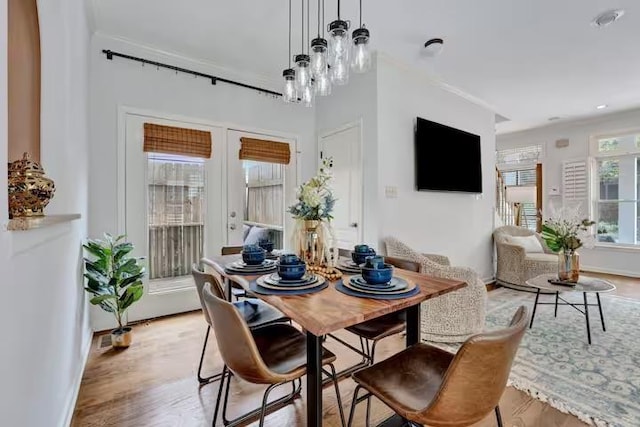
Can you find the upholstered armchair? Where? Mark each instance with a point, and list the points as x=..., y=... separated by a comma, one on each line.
x=452, y=317
x=515, y=265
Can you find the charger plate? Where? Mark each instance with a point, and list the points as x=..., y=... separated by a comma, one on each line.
x=258, y=289
x=402, y=288
x=340, y=287
x=395, y=285
x=276, y=280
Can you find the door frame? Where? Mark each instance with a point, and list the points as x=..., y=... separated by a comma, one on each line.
x=346, y=126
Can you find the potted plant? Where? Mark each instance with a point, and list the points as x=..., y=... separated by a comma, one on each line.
x=565, y=232
x=115, y=280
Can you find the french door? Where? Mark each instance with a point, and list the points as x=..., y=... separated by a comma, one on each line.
x=172, y=215
x=258, y=193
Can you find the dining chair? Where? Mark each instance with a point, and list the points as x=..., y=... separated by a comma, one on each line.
x=426, y=385
x=274, y=354
x=236, y=290
x=374, y=330
x=255, y=312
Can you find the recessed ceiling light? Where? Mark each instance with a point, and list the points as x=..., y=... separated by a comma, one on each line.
x=602, y=106
x=607, y=18
x=433, y=47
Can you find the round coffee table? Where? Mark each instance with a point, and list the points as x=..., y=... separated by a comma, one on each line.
x=586, y=285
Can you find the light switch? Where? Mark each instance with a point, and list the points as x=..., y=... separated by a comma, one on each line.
x=391, y=192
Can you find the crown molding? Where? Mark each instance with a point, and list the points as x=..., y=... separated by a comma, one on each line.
x=433, y=80
x=180, y=59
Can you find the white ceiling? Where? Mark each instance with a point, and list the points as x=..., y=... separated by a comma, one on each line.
x=528, y=59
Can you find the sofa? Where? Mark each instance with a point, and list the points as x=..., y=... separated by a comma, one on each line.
x=452, y=317
x=519, y=258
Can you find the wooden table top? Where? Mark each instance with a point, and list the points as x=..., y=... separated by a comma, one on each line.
x=330, y=310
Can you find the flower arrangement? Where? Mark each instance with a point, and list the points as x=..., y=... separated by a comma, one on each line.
x=567, y=230
x=313, y=237
x=315, y=197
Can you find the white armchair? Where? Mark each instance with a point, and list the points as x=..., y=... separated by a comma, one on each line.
x=452, y=317
x=514, y=265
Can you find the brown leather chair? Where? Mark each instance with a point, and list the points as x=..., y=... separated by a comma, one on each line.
x=255, y=312
x=273, y=354
x=372, y=331
x=426, y=385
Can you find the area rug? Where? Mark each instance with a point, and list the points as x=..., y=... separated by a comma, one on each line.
x=598, y=383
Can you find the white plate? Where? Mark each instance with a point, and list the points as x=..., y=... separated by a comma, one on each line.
x=261, y=282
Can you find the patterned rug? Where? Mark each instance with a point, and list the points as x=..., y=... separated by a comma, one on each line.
x=599, y=383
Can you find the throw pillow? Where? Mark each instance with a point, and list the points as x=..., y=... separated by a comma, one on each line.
x=255, y=235
x=531, y=244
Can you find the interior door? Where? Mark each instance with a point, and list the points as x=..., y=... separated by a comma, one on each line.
x=172, y=215
x=258, y=194
x=343, y=145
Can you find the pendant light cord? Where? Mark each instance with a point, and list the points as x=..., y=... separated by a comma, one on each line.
x=308, y=51
x=323, y=27
x=360, y=13
x=289, y=34
x=319, y=18
x=338, y=10
x=302, y=28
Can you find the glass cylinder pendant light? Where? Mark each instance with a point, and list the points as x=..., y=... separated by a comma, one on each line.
x=361, y=57
x=289, y=94
x=318, y=56
x=323, y=84
x=307, y=94
x=339, y=51
x=303, y=72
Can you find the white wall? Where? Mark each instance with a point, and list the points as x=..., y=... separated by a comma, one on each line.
x=119, y=83
x=357, y=101
x=43, y=311
x=617, y=261
x=387, y=101
x=454, y=224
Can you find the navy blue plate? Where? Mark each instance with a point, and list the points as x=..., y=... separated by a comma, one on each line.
x=254, y=287
x=340, y=287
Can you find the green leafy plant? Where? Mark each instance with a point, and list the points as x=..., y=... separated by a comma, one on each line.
x=113, y=277
x=566, y=230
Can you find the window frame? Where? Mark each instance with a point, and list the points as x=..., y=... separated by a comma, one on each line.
x=594, y=194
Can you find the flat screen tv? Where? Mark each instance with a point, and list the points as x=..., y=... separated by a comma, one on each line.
x=447, y=159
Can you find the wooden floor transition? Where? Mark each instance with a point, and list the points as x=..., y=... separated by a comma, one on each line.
x=153, y=383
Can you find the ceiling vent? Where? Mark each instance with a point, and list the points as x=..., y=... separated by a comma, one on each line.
x=607, y=18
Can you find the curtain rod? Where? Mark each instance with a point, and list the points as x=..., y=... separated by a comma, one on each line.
x=214, y=79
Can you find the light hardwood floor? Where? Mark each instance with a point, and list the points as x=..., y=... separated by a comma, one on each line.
x=153, y=383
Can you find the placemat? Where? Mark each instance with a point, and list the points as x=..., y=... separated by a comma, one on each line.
x=342, y=288
x=254, y=287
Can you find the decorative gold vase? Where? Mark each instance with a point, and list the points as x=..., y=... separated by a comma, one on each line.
x=569, y=266
x=29, y=190
x=311, y=253
x=121, y=338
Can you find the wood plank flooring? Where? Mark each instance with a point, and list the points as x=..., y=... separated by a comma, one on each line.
x=153, y=383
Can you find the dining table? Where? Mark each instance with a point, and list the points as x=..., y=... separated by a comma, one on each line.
x=329, y=310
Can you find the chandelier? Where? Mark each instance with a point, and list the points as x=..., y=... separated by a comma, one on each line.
x=325, y=63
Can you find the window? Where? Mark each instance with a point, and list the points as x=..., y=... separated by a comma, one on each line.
x=514, y=157
x=175, y=201
x=523, y=178
x=616, y=178
x=264, y=203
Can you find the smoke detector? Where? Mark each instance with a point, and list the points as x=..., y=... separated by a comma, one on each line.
x=433, y=47
x=607, y=18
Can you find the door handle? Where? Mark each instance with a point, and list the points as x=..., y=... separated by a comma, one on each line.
x=354, y=225
x=232, y=226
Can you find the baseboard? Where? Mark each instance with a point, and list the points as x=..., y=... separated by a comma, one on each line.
x=70, y=404
x=615, y=272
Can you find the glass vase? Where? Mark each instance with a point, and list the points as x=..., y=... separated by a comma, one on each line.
x=569, y=266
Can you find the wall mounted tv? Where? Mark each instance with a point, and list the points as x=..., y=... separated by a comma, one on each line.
x=447, y=159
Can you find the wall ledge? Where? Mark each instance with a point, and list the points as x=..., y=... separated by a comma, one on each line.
x=31, y=223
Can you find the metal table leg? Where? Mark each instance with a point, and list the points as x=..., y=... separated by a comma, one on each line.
x=314, y=380
x=586, y=315
x=535, y=305
x=601, y=314
x=413, y=325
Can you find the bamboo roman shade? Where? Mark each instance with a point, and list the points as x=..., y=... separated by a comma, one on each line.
x=174, y=140
x=261, y=150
